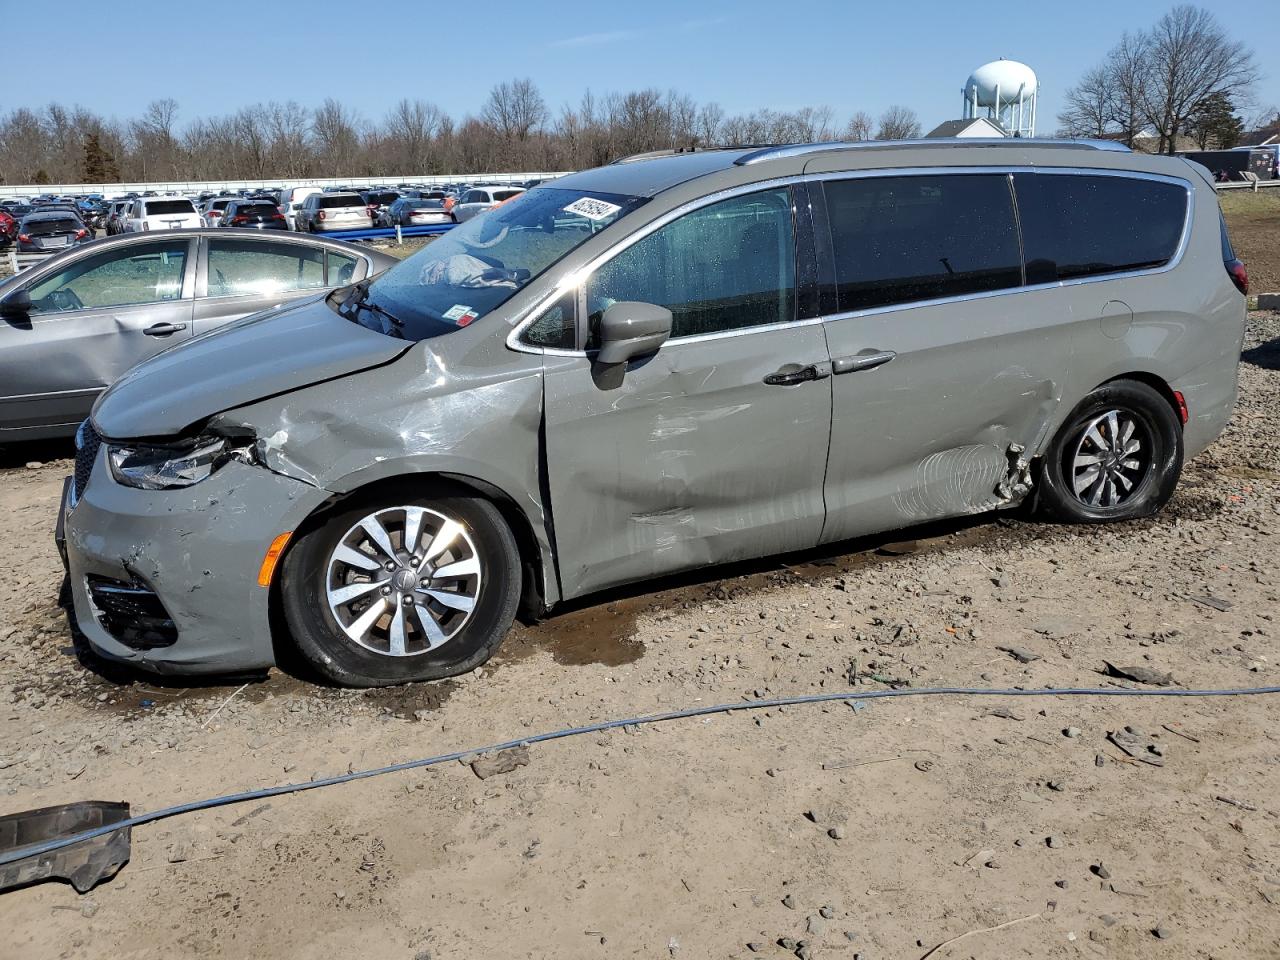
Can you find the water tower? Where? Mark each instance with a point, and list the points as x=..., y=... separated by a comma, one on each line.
x=1006, y=89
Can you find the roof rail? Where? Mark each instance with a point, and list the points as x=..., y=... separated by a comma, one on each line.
x=802, y=149
x=677, y=151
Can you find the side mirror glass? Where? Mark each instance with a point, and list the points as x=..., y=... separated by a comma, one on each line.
x=630, y=329
x=16, y=304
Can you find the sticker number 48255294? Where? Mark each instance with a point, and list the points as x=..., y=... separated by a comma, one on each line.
x=592, y=209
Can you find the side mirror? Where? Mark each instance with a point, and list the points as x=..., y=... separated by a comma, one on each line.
x=16, y=304
x=630, y=329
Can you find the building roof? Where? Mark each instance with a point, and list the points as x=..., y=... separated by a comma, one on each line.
x=955, y=128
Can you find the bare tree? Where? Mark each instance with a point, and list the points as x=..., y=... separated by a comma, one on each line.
x=898, y=123
x=1190, y=58
x=515, y=109
x=859, y=127
x=412, y=125
x=1089, y=105
x=337, y=137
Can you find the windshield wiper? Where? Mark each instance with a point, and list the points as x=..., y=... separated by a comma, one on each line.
x=358, y=299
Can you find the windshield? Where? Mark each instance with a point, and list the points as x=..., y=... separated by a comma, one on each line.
x=477, y=266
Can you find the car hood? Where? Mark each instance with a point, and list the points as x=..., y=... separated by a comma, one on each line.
x=257, y=357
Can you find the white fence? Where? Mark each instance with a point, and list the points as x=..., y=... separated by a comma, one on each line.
x=1253, y=185
x=201, y=186
x=17, y=262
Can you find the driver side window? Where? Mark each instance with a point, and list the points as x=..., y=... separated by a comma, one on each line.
x=134, y=274
x=721, y=267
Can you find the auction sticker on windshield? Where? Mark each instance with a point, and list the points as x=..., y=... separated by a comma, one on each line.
x=592, y=208
x=460, y=314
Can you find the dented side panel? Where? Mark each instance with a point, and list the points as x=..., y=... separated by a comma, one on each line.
x=944, y=428
x=476, y=415
x=687, y=458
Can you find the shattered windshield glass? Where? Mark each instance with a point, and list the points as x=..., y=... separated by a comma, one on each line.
x=479, y=265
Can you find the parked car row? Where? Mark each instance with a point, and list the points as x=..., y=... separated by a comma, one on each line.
x=305, y=209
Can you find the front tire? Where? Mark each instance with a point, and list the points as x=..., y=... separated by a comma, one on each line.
x=1117, y=457
x=402, y=587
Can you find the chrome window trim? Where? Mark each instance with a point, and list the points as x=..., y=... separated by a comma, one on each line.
x=526, y=317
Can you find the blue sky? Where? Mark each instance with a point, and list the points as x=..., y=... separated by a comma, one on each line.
x=743, y=54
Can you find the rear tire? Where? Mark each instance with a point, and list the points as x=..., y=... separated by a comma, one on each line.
x=361, y=627
x=1117, y=457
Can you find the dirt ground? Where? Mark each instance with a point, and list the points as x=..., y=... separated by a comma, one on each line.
x=824, y=831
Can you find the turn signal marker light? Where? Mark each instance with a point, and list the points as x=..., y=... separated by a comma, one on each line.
x=268, y=568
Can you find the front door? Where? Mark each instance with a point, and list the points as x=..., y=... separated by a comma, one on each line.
x=945, y=376
x=90, y=322
x=692, y=456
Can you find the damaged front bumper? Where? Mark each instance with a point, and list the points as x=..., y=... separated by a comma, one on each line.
x=167, y=580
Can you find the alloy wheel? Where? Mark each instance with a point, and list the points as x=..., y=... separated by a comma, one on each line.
x=1111, y=459
x=403, y=580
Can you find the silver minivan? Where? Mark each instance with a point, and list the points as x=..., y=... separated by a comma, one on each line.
x=649, y=367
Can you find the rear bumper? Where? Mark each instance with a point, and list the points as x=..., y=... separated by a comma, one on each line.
x=198, y=550
x=329, y=226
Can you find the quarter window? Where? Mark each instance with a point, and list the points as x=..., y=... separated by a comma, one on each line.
x=140, y=273
x=1076, y=225
x=722, y=267
x=556, y=327
x=905, y=239
x=342, y=269
x=254, y=267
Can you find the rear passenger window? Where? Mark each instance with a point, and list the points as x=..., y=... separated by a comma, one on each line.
x=904, y=239
x=722, y=267
x=1083, y=226
x=248, y=267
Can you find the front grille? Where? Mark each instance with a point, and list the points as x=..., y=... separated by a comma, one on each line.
x=87, y=444
x=131, y=612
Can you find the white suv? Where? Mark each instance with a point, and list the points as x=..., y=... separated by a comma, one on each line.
x=161, y=213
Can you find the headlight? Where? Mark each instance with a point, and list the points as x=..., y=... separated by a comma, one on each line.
x=168, y=467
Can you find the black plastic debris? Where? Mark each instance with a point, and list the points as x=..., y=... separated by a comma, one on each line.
x=84, y=865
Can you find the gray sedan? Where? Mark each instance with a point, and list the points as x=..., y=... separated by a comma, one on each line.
x=74, y=324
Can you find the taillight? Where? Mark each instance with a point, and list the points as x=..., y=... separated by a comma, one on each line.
x=24, y=237
x=277, y=215
x=1239, y=275
x=240, y=219
x=81, y=234
x=320, y=215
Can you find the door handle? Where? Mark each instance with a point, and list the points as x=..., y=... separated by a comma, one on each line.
x=861, y=361
x=164, y=329
x=793, y=373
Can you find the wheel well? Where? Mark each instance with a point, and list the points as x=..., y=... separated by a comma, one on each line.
x=532, y=599
x=1157, y=384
